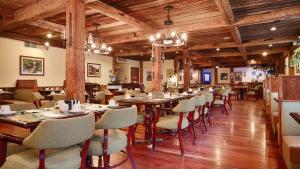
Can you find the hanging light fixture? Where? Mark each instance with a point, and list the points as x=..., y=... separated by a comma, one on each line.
x=93, y=43
x=168, y=38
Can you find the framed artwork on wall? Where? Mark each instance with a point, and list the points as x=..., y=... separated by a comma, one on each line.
x=169, y=73
x=238, y=76
x=148, y=75
x=93, y=70
x=224, y=76
x=32, y=66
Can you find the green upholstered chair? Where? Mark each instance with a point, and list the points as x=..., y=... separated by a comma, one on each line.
x=201, y=110
x=13, y=148
x=184, y=114
x=221, y=101
x=54, y=145
x=55, y=97
x=100, y=97
x=108, y=139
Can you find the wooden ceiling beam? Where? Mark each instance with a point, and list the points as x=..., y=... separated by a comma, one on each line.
x=270, y=16
x=25, y=38
x=36, y=11
x=120, y=16
x=51, y=26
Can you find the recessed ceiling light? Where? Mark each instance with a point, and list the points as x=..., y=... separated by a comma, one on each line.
x=270, y=45
x=47, y=44
x=218, y=49
x=264, y=53
x=273, y=28
x=217, y=67
x=298, y=37
x=176, y=51
x=49, y=35
x=226, y=37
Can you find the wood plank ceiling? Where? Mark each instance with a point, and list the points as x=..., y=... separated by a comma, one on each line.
x=240, y=28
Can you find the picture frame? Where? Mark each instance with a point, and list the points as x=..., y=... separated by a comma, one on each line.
x=149, y=76
x=32, y=66
x=224, y=76
x=93, y=70
x=238, y=76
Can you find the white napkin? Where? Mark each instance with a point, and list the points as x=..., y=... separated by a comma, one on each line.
x=111, y=103
x=5, y=109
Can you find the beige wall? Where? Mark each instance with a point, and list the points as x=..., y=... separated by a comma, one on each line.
x=168, y=64
x=54, y=64
x=9, y=63
x=223, y=70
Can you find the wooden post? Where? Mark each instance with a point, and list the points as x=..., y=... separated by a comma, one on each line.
x=114, y=64
x=176, y=65
x=156, y=70
x=141, y=72
x=75, y=60
x=186, y=70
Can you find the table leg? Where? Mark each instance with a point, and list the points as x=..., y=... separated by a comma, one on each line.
x=3, y=150
x=148, y=123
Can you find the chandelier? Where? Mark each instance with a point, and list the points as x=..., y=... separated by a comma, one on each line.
x=168, y=38
x=93, y=44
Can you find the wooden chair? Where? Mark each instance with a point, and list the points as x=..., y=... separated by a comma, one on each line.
x=201, y=112
x=184, y=119
x=108, y=139
x=222, y=101
x=53, y=144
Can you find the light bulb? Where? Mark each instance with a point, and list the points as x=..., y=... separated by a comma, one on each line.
x=184, y=36
x=264, y=53
x=173, y=33
x=158, y=35
x=103, y=46
x=49, y=35
x=218, y=49
x=273, y=28
x=93, y=46
x=177, y=41
x=109, y=49
x=47, y=44
x=152, y=39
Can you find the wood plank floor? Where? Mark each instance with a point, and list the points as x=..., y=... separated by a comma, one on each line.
x=241, y=141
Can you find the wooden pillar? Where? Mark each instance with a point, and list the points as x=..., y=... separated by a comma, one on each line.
x=114, y=64
x=141, y=72
x=157, y=70
x=75, y=60
x=176, y=65
x=186, y=70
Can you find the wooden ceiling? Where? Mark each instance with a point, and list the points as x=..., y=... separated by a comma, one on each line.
x=240, y=28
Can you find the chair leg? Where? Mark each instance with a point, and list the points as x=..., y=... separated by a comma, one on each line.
x=129, y=154
x=180, y=141
x=192, y=131
x=133, y=134
x=154, y=137
x=204, y=122
x=224, y=107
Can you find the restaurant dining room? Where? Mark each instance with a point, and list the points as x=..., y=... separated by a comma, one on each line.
x=150, y=84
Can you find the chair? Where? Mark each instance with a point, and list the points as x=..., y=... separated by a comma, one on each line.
x=54, y=144
x=100, y=97
x=22, y=106
x=254, y=92
x=108, y=139
x=221, y=102
x=185, y=109
x=55, y=97
x=201, y=111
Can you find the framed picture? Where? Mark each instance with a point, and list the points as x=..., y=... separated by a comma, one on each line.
x=224, y=76
x=238, y=76
x=148, y=75
x=169, y=73
x=32, y=66
x=93, y=70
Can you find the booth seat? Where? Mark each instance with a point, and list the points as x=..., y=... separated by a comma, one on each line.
x=290, y=131
x=274, y=111
x=267, y=101
x=22, y=96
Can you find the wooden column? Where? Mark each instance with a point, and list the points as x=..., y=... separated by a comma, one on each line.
x=176, y=65
x=141, y=72
x=114, y=64
x=75, y=60
x=156, y=70
x=186, y=70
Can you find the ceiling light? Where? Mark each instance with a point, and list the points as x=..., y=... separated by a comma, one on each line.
x=176, y=51
x=168, y=38
x=218, y=49
x=217, y=67
x=49, y=35
x=264, y=53
x=273, y=28
x=226, y=38
x=47, y=44
x=298, y=37
x=270, y=45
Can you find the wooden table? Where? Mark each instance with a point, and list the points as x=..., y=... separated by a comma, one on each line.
x=296, y=117
x=30, y=120
x=150, y=104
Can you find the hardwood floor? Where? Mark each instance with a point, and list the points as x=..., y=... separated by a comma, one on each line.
x=241, y=141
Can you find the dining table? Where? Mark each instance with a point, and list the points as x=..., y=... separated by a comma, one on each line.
x=242, y=89
x=150, y=104
x=30, y=119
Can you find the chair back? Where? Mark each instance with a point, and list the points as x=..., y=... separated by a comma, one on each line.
x=24, y=95
x=289, y=127
x=200, y=100
x=22, y=106
x=119, y=97
x=118, y=118
x=185, y=106
x=209, y=97
x=100, y=96
x=60, y=133
x=133, y=92
x=57, y=97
